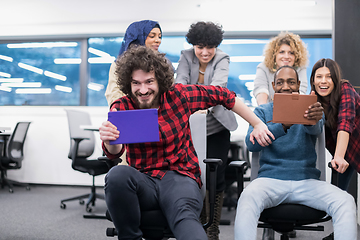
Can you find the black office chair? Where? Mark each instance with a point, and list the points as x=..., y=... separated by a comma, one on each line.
x=14, y=154
x=82, y=146
x=278, y=218
x=153, y=223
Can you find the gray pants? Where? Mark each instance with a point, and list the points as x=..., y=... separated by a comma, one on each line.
x=178, y=196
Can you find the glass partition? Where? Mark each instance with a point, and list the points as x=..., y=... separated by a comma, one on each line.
x=40, y=73
x=47, y=73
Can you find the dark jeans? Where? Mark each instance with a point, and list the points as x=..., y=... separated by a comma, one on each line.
x=178, y=196
x=218, y=146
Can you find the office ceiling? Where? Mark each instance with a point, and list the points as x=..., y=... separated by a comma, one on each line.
x=51, y=18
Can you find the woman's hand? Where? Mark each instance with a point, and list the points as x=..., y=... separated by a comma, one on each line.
x=339, y=164
x=262, y=135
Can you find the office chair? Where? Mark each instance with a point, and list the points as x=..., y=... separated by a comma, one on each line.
x=81, y=147
x=153, y=223
x=13, y=155
x=278, y=217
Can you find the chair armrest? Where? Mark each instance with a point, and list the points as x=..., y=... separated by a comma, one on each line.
x=334, y=175
x=110, y=162
x=240, y=169
x=211, y=165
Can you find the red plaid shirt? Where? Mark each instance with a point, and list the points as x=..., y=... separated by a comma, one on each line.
x=349, y=121
x=175, y=150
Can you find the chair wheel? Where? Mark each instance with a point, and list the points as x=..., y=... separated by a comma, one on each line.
x=11, y=190
x=111, y=232
x=28, y=188
x=62, y=205
x=89, y=209
x=82, y=202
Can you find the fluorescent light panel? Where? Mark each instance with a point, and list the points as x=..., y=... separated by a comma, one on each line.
x=7, y=75
x=6, y=89
x=31, y=68
x=42, y=45
x=12, y=80
x=22, y=84
x=6, y=58
x=101, y=59
x=55, y=75
x=33, y=91
x=247, y=59
x=63, y=89
x=95, y=86
x=67, y=60
x=245, y=77
x=244, y=41
x=98, y=52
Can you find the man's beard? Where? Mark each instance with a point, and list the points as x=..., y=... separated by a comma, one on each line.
x=145, y=105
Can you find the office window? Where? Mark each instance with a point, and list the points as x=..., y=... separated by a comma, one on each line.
x=47, y=73
x=40, y=73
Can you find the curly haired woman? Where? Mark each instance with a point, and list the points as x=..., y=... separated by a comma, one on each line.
x=284, y=49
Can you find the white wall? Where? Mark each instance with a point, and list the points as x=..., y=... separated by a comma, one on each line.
x=47, y=144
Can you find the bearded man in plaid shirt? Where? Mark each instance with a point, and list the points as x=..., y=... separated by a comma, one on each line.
x=166, y=174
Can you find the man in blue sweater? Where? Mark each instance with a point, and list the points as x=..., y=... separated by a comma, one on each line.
x=288, y=171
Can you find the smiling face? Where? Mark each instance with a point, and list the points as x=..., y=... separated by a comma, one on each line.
x=285, y=56
x=145, y=89
x=286, y=81
x=204, y=53
x=323, y=82
x=153, y=40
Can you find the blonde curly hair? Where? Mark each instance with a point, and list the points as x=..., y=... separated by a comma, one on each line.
x=296, y=44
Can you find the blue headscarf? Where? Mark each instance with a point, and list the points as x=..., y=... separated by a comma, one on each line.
x=137, y=33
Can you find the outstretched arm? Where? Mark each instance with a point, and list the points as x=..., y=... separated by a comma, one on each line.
x=261, y=132
x=339, y=163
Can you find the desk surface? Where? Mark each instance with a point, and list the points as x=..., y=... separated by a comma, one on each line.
x=3, y=129
x=89, y=128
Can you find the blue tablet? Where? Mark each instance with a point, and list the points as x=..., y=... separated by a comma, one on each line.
x=135, y=126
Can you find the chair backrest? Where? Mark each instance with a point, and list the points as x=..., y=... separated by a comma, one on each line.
x=320, y=163
x=198, y=135
x=15, y=145
x=75, y=120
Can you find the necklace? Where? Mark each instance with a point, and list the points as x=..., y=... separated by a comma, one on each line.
x=201, y=72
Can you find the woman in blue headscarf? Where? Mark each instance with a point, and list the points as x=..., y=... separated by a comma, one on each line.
x=146, y=33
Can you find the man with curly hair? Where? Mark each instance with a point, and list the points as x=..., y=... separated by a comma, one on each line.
x=166, y=174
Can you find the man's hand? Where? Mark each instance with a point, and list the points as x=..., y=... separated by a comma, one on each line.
x=108, y=132
x=315, y=111
x=262, y=135
x=339, y=164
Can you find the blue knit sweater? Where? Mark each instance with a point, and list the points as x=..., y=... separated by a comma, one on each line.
x=292, y=155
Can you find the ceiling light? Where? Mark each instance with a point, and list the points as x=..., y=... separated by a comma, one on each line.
x=33, y=91
x=6, y=89
x=67, y=60
x=95, y=86
x=55, y=75
x=247, y=77
x=6, y=58
x=63, y=89
x=102, y=60
x=42, y=45
x=98, y=52
x=247, y=59
x=21, y=84
x=31, y=68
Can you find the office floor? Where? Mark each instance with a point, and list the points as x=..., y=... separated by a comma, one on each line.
x=36, y=215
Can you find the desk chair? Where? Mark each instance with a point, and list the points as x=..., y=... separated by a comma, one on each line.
x=82, y=145
x=13, y=155
x=153, y=223
x=278, y=218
